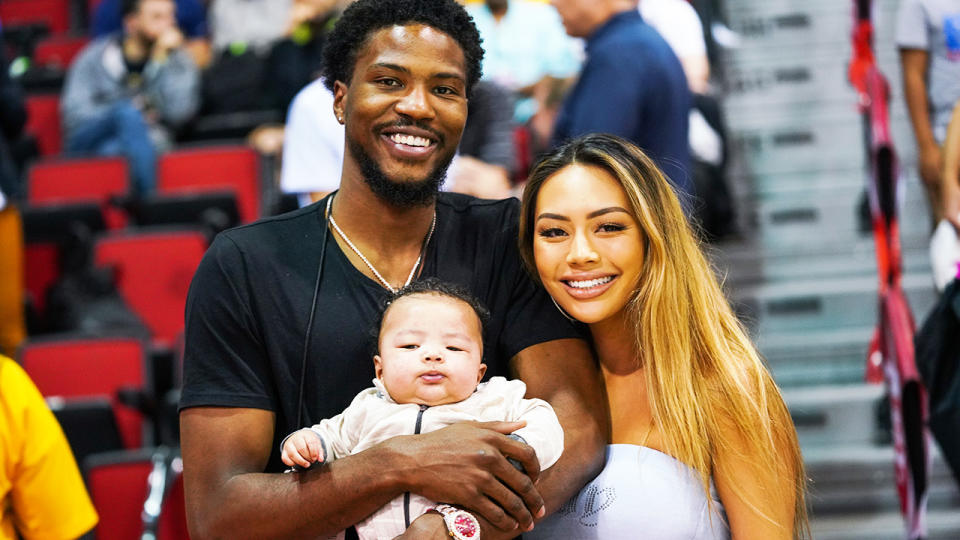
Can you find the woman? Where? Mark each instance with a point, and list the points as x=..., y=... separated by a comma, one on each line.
x=702, y=444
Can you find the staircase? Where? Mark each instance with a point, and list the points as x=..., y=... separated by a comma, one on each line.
x=802, y=273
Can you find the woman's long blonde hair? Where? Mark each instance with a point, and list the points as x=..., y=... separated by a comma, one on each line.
x=708, y=385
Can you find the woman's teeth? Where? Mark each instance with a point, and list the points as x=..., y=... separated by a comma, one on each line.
x=586, y=284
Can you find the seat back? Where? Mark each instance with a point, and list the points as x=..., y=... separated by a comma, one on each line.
x=118, y=486
x=41, y=269
x=154, y=270
x=219, y=168
x=43, y=121
x=98, y=180
x=54, y=14
x=58, y=51
x=88, y=368
x=46, y=230
x=89, y=424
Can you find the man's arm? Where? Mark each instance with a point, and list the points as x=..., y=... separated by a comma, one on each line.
x=914, y=66
x=225, y=449
x=950, y=177
x=563, y=373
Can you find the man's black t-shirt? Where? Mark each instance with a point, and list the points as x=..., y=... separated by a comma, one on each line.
x=249, y=305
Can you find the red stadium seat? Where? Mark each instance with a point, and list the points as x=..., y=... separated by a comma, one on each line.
x=81, y=180
x=120, y=483
x=58, y=51
x=43, y=121
x=118, y=486
x=90, y=367
x=41, y=269
x=154, y=270
x=221, y=168
x=54, y=14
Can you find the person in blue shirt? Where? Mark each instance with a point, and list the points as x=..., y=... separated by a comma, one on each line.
x=107, y=18
x=631, y=85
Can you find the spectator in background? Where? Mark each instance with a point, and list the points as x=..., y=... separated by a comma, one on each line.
x=12, y=324
x=42, y=495
x=191, y=19
x=13, y=117
x=928, y=37
x=679, y=25
x=242, y=32
x=126, y=93
x=631, y=85
x=525, y=50
x=295, y=60
x=313, y=145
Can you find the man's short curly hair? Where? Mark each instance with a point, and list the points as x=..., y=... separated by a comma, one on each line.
x=365, y=17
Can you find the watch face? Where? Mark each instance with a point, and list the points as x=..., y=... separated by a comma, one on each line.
x=466, y=525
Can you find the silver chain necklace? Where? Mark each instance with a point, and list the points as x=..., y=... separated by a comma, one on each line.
x=416, y=265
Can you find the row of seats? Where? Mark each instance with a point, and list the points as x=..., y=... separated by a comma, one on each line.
x=103, y=389
x=153, y=265
x=99, y=390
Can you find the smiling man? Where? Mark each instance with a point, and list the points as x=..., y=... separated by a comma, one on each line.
x=280, y=313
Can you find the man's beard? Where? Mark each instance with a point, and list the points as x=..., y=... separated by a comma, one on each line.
x=396, y=193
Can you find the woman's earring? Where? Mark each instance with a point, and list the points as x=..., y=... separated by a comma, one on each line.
x=562, y=312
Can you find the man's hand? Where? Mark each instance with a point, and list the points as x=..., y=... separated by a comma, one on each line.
x=465, y=464
x=930, y=163
x=167, y=42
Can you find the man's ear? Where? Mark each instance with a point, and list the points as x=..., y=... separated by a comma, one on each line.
x=481, y=372
x=378, y=366
x=339, y=100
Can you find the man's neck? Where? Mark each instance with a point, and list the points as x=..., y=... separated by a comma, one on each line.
x=389, y=236
x=134, y=49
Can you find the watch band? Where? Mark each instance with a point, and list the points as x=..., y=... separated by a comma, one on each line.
x=461, y=524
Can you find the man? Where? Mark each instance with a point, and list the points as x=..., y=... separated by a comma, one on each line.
x=280, y=311
x=191, y=19
x=928, y=37
x=313, y=145
x=525, y=51
x=631, y=85
x=125, y=94
x=41, y=491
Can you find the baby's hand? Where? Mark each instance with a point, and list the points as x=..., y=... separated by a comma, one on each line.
x=302, y=448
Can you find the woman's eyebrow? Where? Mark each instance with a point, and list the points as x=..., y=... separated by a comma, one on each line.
x=548, y=215
x=607, y=210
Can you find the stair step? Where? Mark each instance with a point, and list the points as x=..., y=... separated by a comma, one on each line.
x=820, y=304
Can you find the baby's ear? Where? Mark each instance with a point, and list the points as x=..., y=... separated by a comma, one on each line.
x=481, y=371
x=378, y=366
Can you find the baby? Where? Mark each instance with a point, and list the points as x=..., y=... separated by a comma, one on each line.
x=428, y=373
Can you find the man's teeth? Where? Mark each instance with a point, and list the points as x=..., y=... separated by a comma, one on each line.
x=409, y=140
x=590, y=282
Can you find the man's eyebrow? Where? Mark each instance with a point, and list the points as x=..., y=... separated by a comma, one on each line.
x=404, y=69
x=387, y=65
x=445, y=75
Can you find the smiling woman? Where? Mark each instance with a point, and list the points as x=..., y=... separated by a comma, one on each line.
x=702, y=446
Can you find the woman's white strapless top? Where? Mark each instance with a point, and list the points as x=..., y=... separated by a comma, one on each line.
x=641, y=493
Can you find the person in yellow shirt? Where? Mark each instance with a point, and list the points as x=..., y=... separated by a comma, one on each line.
x=42, y=494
